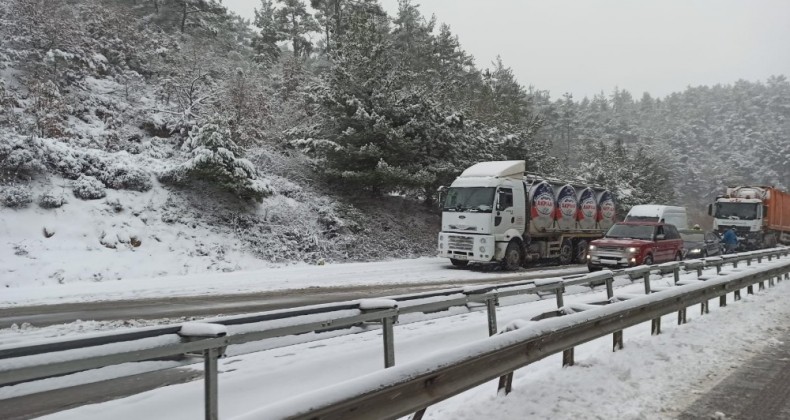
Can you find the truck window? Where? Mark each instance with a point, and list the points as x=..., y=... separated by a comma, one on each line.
x=660, y=231
x=630, y=232
x=471, y=199
x=505, y=198
x=736, y=211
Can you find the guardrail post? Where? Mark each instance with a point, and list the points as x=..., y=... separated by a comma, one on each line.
x=195, y=331
x=655, y=326
x=609, y=288
x=491, y=307
x=617, y=340
x=770, y=256
x=418, y=415
x=646, y=278
x=761, y=285
x=560, y=300
x=682, y=316
x=211, y=389
x=676, y=274
x=704, y=308
x=718, y=268
x=505, y=383
x=567, y=357
x=735, y=263
x=748, y=261
x=736, y=295
x=759, y=259
x=723, y=300
x=750, y=290
x=389, y=341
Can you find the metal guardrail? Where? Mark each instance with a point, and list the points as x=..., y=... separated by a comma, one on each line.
x=61, y=357
x=413, y=387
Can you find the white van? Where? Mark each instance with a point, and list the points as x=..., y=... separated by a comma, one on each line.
x=658, y=213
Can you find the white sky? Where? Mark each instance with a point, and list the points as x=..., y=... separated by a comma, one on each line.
x=585, y=47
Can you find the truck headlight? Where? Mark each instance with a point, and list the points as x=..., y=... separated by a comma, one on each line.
x=482, y=240
x=591, y=248
x=441, y=237
x=482, y=249
x=632, y=250
x=695, y=251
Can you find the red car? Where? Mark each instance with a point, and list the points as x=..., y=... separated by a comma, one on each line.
x=627, y=244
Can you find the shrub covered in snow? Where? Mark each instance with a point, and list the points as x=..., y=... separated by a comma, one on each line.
x=88, y=188
x=51, y=200
x=19, y=156
x=215, y=158
x=15, y=196
x=127, y=178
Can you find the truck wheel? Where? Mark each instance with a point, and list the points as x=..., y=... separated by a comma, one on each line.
x=459, y=263
x=648, y=260
x=593, y=268
x=512, y=260
x=678, y=257
x=566, y=252
x=581, y=252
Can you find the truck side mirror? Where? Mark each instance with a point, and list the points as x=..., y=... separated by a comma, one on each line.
x=710, y=209
x=440, y=196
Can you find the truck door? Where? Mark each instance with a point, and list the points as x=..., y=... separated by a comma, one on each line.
x=504, y=215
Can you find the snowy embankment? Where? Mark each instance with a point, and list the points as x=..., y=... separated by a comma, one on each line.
x=653, y=377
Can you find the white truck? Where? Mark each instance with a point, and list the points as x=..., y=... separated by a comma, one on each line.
x=496, y=212
x=759, y=214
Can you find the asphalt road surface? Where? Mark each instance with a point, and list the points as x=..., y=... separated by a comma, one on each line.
x=757, y=390
x=44, y=315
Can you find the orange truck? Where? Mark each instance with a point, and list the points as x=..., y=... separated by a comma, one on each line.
x=760, y=215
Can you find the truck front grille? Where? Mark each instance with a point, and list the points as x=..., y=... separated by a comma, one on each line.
x=461, y=243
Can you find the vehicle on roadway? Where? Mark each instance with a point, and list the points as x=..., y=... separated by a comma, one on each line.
x=700, y=244
x=627, y=244
x=760, y=215
x=496, y=212
x=658, y=213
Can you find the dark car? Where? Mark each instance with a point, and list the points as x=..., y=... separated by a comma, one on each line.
x=700, y=244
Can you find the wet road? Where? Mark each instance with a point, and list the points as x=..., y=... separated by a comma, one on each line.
x=45, y=315
x=759, y=389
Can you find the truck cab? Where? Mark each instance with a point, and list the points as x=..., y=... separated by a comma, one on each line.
x=628, y=244
x=481, y=214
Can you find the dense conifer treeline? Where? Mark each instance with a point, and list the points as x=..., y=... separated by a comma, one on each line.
x=366, y=102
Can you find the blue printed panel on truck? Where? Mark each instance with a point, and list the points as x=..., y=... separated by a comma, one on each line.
x=606, y=210
x=542, y=206
x=588, y=209
x=567, y=207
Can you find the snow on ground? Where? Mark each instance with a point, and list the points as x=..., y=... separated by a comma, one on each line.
x=653, y=377
x=124, y=236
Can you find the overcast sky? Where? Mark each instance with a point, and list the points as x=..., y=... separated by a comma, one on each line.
x=588, y=46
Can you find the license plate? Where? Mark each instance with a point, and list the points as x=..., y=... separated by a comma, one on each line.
x=460, y=257
x=609, y=262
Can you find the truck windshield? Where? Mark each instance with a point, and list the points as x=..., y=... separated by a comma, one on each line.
x=471, y=199
x=736, y=211
x=631, y=232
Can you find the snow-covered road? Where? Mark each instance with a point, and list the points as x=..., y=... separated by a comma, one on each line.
x=654, y=377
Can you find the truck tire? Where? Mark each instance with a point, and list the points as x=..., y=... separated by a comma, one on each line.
x=512, y=259
x=566, y=252
x=459, y=263
x=581, y=252
x=648, y=260
x=678, y=257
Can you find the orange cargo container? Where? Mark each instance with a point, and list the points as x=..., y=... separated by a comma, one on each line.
x=778, y=210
